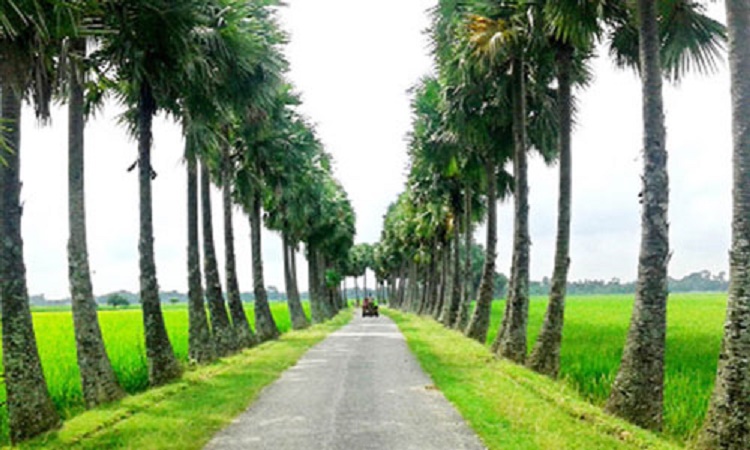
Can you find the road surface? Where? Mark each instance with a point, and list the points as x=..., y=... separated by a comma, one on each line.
x=361, y=388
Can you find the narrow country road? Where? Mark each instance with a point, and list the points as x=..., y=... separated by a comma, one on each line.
x=361, y=388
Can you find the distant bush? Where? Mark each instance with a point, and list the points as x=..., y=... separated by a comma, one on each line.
x=116, y=300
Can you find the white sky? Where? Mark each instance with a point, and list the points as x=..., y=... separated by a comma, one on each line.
x=353, y=63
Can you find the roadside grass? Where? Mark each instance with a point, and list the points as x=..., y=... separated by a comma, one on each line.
x=122, y=330
x=185, y=414
x=509, y=406
x=594, y=336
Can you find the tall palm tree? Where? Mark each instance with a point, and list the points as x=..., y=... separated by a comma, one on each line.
x=98, y=380
x=572, y=31
x=152, y=51
x=200, y=345
x=727, y=424
x=225, y=340
x=638, y=390
x=240, y=324
x=265, y=325
x=24, y=36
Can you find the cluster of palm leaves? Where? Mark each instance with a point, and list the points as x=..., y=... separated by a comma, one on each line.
x=217, y=68
x=503, y=87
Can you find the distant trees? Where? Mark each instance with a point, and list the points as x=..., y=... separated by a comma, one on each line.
x=117, y=300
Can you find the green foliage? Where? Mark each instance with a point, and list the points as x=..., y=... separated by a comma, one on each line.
x=333, y=278
x=116, y=300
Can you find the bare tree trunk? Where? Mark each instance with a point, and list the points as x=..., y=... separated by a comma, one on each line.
x=162, y=363
x=364, y=282
x=265, y=326
x=413, y=303
x=98, y=380
x=200, y=346
x=225, y=340
x=241, y=327
x=317, y=308
x=443, y=276
x=545, y=358
x=638, y=390
x=329, y=305
x=727, y=424
x=512, y=343
x=296, y=313
x=30, y=408
x=480, y=320
x=462, y=321
x=450, y=312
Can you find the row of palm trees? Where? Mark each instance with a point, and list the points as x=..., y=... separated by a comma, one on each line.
x=505, y=76
x=217, y=68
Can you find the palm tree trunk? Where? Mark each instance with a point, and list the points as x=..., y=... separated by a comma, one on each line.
x=462, y=320
x=98, y=380
x=296, y=313
x=451, y=311
x=403, y=281
x=638, y=390
x=224, y=337
x=317, y=310
x=364, y=282
x=200, y=345
x=162, y=363
x=265, y=326
x=545, y=358
x=443, y=277
x=414, y=287
x=480, y=320
x=242, y=331
x=30, y=408
x=511, y=343
x=727, y=424
x=329, y=307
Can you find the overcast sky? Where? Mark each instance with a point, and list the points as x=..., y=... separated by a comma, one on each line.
x=353, y=62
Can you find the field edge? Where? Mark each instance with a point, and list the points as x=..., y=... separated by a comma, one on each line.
x=509, y=406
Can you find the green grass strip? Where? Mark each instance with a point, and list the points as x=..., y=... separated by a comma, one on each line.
x=187, y=413
x=509, y=406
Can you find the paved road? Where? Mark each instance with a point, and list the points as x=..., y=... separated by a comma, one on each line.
x=361, y=388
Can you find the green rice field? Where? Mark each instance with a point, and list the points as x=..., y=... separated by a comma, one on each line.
x=595, y=330
x=593, y=340
x=123, y=337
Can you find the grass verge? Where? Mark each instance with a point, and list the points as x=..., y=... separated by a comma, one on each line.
x=186, y=413
x=509, y=406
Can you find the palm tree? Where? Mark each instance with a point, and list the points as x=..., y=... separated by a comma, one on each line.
x=240, y=324
x=726, y=425
x=572, y=31
x=151, y=50
x=480, y=319
x=200, y=345
x=225, y=340
x=23, y=37
x=638, y=390
x=265, y=326
x=98, y=380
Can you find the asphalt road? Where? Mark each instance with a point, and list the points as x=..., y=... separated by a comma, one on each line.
x=361, y=388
